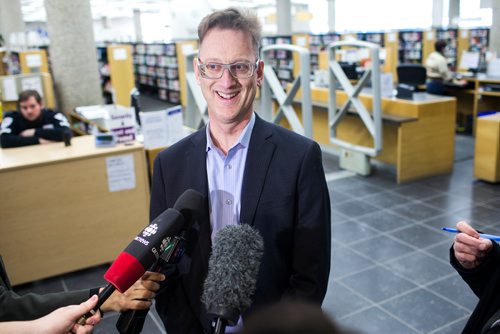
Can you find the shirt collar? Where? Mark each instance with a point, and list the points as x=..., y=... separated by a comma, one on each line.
x=243, y=140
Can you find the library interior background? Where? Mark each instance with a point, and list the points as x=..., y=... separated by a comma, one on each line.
x=400, y=162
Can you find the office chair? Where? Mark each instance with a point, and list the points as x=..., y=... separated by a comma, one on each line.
x=349, y=70
x=412, y=74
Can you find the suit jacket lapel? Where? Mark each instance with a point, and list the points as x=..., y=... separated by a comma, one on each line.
x=196, y=160
x=197, y=157
x=260, y=153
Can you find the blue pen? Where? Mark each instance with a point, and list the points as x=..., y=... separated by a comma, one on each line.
x=482, y=235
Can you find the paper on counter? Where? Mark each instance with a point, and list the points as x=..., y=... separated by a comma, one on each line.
x=154, y=129
x=121, y=172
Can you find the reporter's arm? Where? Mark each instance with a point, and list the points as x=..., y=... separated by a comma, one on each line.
x=14, y=307
x=61, y=321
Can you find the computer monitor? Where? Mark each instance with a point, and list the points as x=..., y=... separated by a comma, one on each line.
x=469, y=61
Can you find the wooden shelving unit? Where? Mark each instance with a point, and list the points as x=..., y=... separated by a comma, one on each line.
x=410, y=47
x=317, y=44
x=372, y=37
x=451, y=52
x=281, y=60
x=157, y=67
x=479, y=41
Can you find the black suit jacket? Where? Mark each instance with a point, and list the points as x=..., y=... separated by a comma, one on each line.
x=485, y=282
x=284, y=196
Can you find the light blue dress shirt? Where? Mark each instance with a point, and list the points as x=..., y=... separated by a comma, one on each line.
x=225, y=178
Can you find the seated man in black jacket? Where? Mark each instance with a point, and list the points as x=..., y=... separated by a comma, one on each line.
x=32, y=124
x=477, y=260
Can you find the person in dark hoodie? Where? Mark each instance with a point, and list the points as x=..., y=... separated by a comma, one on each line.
x=32, y=124
x=477, y=261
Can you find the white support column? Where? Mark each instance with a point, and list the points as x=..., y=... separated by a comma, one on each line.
x=11, y=19
x=331, y=15
x=437, y=13
x=137, y=25
x=284, y=17
x=73, y=53
x=495, y=28
x=454, y=12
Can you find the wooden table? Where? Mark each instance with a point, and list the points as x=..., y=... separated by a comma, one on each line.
x=476, y=99
x=487, y=148
x=57, y=211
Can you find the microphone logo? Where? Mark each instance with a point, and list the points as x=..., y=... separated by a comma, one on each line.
x=150, y=230
x=164, y=244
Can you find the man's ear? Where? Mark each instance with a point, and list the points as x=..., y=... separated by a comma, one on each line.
x=196, y=70
x=260, y=73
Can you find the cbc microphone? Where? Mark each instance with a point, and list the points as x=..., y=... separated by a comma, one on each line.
x=232, y=274
x=139, y=255
x=189, y=205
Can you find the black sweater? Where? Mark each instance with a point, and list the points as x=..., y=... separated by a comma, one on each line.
x=50, y=125
x=485, y=283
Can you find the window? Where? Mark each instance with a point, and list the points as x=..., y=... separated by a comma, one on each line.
x=472, y=15
x=362, y=15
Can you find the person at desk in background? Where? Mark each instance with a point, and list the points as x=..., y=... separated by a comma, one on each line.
x=32, y=124
x=437, y=69
x=250, y=172
x=477, y=261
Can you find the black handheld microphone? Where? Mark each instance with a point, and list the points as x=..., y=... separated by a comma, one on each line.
x=232, y=274
x=139, y=255
x=189, y=204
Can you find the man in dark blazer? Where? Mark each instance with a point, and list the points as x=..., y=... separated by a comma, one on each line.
x=251, y=172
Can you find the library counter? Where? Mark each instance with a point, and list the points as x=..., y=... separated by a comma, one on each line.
x=418, y=134
x=69, y=208
x=484, y=95
x=487, y=148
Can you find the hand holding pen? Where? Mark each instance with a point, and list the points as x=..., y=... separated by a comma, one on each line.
x=470, y=247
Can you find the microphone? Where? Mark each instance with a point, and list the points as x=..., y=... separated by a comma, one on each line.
x=144, y=250
x=139, y=255
x=232, y=274
x=189, y=205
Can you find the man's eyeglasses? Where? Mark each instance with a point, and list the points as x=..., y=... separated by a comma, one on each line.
x=239, y=70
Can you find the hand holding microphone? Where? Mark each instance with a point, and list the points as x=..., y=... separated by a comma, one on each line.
x=138, y=297
x=139, y=255
x=189, y=205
